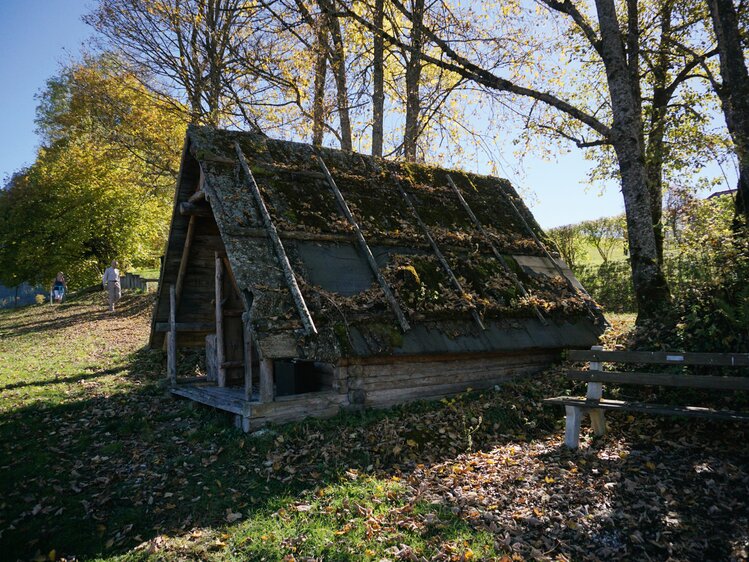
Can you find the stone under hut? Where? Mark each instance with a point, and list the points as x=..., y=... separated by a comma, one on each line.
x=317, y=280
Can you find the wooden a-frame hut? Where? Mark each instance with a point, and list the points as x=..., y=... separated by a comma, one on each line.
x=318, y=279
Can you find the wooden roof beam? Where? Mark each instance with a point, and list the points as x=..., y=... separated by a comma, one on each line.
x=494, y=249
x=194, y=210
x=288, y=272
x=448, y=270
x=197, y=197
x=364, y=246
x=590, y=303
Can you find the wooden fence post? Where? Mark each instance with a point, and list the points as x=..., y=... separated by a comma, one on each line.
x=171, y=346
x=595, y=391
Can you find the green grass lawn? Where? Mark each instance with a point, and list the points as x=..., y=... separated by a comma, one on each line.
x=152, y=273
x=97, y=459
x=589, y=255
x=98, y=462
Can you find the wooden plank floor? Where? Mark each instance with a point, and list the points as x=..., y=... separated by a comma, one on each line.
x=228, y=398
x=283, y=409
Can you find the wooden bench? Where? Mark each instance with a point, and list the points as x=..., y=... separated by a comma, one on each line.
x=594, y=404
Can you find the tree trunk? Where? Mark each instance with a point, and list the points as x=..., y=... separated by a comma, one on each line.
x=318, y=96
x=213, y=94
x=651, y=289
x=734, y=92
x=654, y=172
x=654, y=151
x=378, y=81
x=338, y=66
x=413, y=77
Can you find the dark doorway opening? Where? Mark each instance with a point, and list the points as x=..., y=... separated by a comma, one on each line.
x=295, y=376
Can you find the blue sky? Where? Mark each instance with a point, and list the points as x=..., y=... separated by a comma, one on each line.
x=37, y=35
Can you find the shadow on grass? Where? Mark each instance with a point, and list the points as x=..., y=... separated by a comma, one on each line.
x=65, y=380
x=101, y=475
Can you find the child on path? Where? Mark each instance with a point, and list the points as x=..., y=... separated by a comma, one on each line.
x=59, y=288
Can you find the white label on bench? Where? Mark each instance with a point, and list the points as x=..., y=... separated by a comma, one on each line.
x=674, y=358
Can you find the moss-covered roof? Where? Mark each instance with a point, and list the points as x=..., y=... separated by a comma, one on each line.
x=345, y=301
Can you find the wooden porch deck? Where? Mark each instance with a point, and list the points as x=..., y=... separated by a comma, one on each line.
x=255, y=413
x=227, y=398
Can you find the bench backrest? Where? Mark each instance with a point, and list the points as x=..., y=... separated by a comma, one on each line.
x=662, y=357
x=662, y=379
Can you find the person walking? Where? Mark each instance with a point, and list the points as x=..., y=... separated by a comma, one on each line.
x=111, y=282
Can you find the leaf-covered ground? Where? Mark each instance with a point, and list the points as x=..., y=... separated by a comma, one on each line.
x=97, y=462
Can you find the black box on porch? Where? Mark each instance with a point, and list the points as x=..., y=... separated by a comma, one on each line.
x=332, y=279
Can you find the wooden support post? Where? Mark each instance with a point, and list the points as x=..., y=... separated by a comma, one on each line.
x=288, y=272
x=220, y=320
x=595, y=392
x=185, y=257
x=247, y=359
x=233, y=280
x=266, y=380
x=171, y=347
x=497, y=254
x=364, y=246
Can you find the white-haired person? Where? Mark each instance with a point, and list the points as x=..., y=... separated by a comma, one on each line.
x=111, y=282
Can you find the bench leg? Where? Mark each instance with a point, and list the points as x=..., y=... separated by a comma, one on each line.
x=598, y=422
x=572, y=427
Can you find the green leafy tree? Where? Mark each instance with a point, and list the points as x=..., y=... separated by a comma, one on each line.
x=101, y=187
x=568, y=241
x=605, y=234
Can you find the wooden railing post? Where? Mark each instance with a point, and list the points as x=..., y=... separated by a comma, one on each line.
x=171, y=346
x=595, y=392
x=220, y=321
x=266, y=380
x=488, y=241
x=247, y=357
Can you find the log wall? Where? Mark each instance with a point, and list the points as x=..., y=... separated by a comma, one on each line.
x=380, y=385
